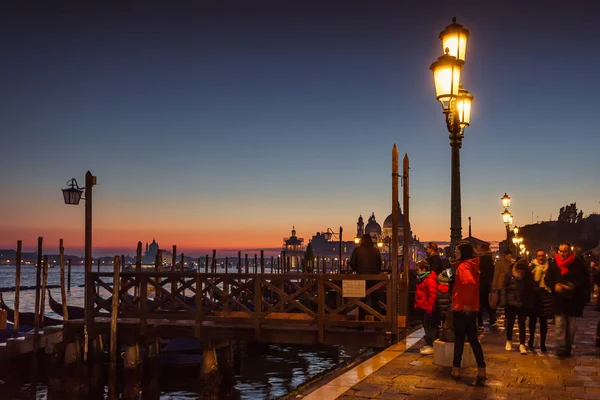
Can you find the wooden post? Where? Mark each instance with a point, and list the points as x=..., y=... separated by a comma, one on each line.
x=114, y=313
x=406, y=244
x=90, y=181
x=173, y=280
x=255, y=264
x=63, y=292
x=206, y=265
x=226, y=264
x=131, y=372
x=214, y=262
x=69, y=275
x=246, y=262
x=262, y=261
x=17, y=287
x=38, y=279
x=98, y=285
x=321, y=309
x=271, y=264
x=182, y=263
x=138, y=267
x=43, y=292
x=239, y=267
x=393, y=306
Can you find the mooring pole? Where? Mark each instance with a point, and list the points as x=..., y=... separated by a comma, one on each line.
x=17, y=288
x=63, y=292
x=407, y=240
x=394, y=267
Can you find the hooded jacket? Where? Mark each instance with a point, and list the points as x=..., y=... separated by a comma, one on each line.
x=515, y=292
x=426, y=293
x=443, y=299
x=466, y=285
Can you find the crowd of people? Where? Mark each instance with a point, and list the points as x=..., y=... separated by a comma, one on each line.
x=554, y=288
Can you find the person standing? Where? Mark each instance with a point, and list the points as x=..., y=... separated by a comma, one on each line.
x=465, y=304
x=500, y=270
x=542, y=304
x=516, y=299
x=366, y=259
x=425, y=302
x=486, y=266
x=567, y=280
x=433, y=258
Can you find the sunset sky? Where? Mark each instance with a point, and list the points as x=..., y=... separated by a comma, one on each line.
x=224, y=125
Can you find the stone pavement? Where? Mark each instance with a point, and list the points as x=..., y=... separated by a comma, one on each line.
x=510, y=375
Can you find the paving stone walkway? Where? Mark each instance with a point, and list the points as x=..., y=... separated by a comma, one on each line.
x=510, y=375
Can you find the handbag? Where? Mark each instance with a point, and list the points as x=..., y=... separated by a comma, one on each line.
x=493, y=299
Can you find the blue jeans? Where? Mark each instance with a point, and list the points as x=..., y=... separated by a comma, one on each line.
x=565, y=332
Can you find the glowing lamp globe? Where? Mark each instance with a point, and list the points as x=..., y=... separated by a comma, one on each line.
x=463, y=105
x=446, y=78
x=507, y=217
x=505, y=201
x=454, y=38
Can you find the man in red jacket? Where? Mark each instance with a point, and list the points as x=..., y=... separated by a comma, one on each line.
x=425, y=300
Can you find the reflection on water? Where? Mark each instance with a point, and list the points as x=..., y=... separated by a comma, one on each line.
x=268, y=371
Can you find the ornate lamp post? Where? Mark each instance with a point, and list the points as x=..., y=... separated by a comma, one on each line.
x=456, y=106
x=71, y=196
x=329, y=233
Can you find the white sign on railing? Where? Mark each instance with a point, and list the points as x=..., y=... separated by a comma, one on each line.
x=353, y=288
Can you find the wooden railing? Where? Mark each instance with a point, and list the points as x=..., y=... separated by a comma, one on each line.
x=258, y=300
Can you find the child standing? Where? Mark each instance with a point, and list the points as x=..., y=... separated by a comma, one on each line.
x=425, y=300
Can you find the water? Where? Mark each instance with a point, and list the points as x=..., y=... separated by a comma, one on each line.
x=267, y=372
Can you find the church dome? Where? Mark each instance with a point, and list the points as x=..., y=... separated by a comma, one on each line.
x=387, y=224
x=373, y=226
x=153, y=247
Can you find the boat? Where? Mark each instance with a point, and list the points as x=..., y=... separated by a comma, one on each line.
x=75, y=312
x=26, y=318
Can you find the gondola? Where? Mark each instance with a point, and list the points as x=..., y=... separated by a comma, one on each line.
x=74, y=311
x=26, y=318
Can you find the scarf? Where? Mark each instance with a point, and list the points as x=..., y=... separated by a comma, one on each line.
x=422, y=276
x=539, y=274
x=564, y=265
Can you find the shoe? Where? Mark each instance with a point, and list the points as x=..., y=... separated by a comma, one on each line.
x=508, y=346
x=530, y=346
x=543, y=348
x=426, y=350
x=455, y=373
x=481, y=374
x=522, y=349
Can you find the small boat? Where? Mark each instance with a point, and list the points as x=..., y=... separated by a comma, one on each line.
x=75, y=312
x=26, y=318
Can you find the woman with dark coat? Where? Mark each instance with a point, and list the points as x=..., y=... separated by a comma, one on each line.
x=542, y=305
x=517, y=300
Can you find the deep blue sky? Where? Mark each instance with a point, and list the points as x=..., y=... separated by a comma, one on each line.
x=227, y=123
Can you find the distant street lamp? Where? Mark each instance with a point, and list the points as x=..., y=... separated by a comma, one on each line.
x=71, y=196
x=507, y=217
x=329, y=233
x=456, y=106
x=505, y=201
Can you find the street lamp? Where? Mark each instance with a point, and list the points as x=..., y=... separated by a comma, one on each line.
x=71, y=196
x=329, y=233
x=456, y=106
